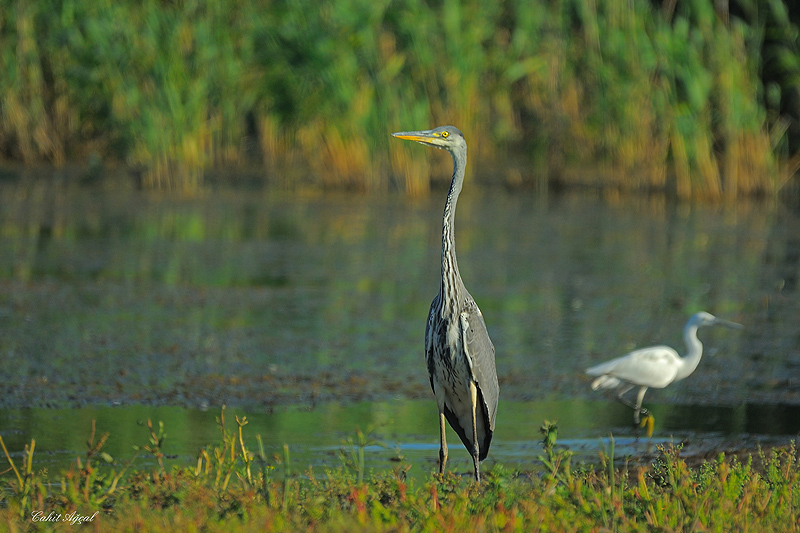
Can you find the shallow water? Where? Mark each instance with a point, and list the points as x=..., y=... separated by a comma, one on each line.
x=260, y=300
x=402, y=432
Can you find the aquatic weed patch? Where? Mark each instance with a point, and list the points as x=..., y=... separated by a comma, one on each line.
x=234, y=486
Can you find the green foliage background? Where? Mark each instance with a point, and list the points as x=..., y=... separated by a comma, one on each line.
x=671, y=96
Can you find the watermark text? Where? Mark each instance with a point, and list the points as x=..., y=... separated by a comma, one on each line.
x=73, y=518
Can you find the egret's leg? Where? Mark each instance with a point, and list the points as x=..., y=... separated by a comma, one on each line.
x=638, y=408
x=442, y=442
x=621, y=391
x=624, y=401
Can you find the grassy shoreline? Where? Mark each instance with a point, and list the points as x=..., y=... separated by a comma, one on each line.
x=234, y=486
x=647, y=97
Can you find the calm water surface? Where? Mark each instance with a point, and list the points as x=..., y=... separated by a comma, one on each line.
x=307, y=314
x=402, y=433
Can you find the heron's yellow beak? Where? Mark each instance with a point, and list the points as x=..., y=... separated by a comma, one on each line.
x=429, y=137
x=412, y=137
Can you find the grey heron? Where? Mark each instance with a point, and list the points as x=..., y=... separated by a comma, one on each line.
x=458, y=351
x=656, y=366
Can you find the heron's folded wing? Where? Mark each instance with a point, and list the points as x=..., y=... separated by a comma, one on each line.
x=480, y=356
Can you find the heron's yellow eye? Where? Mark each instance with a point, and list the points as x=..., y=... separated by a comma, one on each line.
x=445, y=133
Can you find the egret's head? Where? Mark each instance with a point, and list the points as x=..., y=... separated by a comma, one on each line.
x=707, y=319
x=446, y=137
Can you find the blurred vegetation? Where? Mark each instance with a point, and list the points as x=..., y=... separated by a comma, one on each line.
x=671, y=96
x=235, y=485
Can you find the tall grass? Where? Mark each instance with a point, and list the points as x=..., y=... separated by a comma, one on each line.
x=620, y=94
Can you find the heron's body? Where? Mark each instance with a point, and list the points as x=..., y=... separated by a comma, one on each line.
x=655, y=367
x=458, y=351
x=455, y=335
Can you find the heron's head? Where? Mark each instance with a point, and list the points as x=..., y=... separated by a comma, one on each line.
x=446, y=137
x=707, y=319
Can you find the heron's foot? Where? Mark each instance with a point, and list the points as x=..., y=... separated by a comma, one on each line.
x=648, y=422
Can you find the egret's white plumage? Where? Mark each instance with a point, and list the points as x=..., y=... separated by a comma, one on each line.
x=656, y=367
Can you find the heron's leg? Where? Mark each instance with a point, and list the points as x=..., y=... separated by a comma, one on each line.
x=442, y=442
x=473, y=394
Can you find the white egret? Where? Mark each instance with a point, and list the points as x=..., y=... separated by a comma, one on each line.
x=656, y=366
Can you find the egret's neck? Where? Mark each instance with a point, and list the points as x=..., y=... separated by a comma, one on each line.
x=451, y=278
x=694, y=353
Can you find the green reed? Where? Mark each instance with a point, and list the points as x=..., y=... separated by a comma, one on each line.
x=630, y=95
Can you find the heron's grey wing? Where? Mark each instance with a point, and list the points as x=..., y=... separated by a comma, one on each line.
x=654, y=367
x=432, y=332
x=480, y=356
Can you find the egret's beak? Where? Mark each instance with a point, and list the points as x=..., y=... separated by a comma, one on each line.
x=727, y=324
x=429, y=137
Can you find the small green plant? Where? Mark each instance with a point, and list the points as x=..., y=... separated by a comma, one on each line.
x=352, y=451
x=287, y=473
x=94, y=485
x=155, y=444
x=25, y=488
x=231, y=459
x=557, y=462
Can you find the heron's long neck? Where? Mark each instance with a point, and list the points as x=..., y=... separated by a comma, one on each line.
x=451, y=278
x=695, y=351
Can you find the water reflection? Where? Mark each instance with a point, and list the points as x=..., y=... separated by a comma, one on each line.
x=256, y=299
